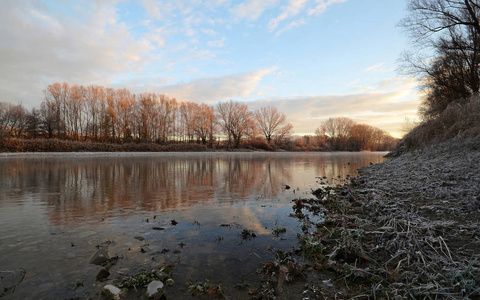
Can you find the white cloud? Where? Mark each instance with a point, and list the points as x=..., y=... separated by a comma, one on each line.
x=158, y=10
x=213, y=89
x=322, y=5
x=294, y=7
x=217, y=43
x=373, y=68
x=209, y=31
x=385, y=109
x=252, y=9
x=38, y=49
x=292, y=25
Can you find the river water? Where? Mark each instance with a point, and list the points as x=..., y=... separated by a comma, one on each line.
x=56, y=210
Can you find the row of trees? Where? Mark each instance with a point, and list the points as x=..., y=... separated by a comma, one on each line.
x=94, y=113
x=341, y=134
x=98, y=114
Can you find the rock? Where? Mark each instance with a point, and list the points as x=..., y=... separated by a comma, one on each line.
x=100, y=258
x=103, y=274
x=281, y=278
x=161, y=275
x=154, y=289
x=140, y=238
x=145, y=249
x=170, y=282
x=112, y=292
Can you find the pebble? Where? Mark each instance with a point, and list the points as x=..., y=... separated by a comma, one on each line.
x=112, y=292
x=100, y=258
x=153, y=288
x=170, y=282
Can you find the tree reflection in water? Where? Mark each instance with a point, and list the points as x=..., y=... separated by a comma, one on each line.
x=72, y=202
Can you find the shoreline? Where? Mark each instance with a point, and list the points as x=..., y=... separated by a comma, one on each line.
x=408, y=227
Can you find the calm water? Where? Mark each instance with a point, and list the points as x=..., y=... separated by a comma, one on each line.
x=55, y=210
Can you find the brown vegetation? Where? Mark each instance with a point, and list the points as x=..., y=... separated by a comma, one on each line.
x=343, y=134
x=95, y=115
x=455, y=121
x=57, y=145
x=450, y=29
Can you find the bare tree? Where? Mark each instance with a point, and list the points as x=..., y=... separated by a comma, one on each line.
x=235, y=119
x=188, y=114
x=270, y=120
x=13, y=119
x=449, y=29
x=48, y=117
x=205, y=123
x=338, y=131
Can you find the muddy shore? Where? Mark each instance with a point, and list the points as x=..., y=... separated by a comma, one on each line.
x=405, y=229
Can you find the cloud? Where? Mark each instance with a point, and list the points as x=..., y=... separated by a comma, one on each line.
x=373, y=68
x=252, y=9
x=291, y=26
x=292, y=9
x=217, y=44
x=38, y=49
x=386, y=110
x=322, y=5
x=158, y=10
x=213, y=89
x=296, y=7
x=209, y=31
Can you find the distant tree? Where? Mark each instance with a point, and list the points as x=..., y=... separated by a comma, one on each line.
x=189, y=116
x=272, y=122
x=124, y=110
x=48, y=118
x=34, y=123
x=13, y=119
x=360, y=137
x=145, y=116
x=205, y=122
x=235, y=120
x=338, y=131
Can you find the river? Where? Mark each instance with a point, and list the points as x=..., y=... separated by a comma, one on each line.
x=56, y=210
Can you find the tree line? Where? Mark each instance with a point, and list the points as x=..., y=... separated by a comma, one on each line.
x=97, y=114
x=446, y=61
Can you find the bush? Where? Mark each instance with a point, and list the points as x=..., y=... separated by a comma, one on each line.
x=55, y=145
x=462, y=121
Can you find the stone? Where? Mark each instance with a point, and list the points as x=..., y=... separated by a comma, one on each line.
x=154, y=289
x=140, y=238
x=112, y=292
x=170, y=282
x=161, y=275
x=145, y=249
x=100, y=258
x=103, y=274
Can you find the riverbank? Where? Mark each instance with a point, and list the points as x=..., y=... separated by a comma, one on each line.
x=406, y=228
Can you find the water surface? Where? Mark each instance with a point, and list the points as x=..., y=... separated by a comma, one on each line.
x=57, y=210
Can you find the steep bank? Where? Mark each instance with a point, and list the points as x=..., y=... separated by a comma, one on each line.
x=409, y=227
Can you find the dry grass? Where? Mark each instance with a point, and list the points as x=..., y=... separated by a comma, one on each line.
x=382, y=251
x=55, y=145
x=456, y=121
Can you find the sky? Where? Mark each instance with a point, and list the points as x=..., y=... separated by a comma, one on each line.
x=311, y=59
